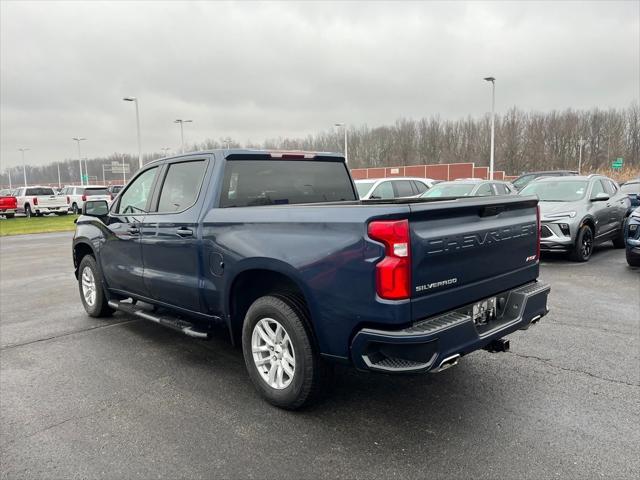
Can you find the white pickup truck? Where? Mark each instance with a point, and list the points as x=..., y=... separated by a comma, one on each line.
x=39, y=200
x=76, y=196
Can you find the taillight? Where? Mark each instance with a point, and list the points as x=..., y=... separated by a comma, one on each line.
x=84, y=198
x=35, y=200
x=68, y=200
x=393, y=272
x=539, y=226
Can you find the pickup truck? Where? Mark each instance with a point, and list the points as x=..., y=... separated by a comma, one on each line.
x=39, y=200
x=277, y=248
x=8, y=206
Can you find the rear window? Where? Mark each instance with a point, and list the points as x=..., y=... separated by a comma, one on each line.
x=90, y=192
x=39, y=191
x=284, y=182
x=450, y=190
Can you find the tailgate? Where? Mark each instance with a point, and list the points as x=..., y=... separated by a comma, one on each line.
x=468, y=249
x=51, y=201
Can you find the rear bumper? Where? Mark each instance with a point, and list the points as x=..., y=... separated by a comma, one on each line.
x=7, y=210
x=428, y=343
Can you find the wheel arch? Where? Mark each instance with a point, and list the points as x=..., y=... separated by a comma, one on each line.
x=256, y=281
x=80, y=250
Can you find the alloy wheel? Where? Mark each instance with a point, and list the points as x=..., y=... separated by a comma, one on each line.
x=273, y=353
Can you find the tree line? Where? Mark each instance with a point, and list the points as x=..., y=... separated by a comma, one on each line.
x=524, y=141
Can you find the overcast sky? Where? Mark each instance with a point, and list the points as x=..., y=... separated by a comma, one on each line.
x=262, y=70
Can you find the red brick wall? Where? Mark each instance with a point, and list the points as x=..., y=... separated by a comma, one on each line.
x=437, y=172
x=445, y=171
x=460, y=170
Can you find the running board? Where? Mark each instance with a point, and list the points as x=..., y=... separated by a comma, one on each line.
x=164, y=320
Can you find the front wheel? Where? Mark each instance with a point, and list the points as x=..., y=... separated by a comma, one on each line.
x=92, y=294
x=633, y=260
x=583, y=247
x=279, y=352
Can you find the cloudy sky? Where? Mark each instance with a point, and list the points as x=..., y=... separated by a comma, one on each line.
x=262, y=70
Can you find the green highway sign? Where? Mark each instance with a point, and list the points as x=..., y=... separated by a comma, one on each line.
x=617, y=164
x=85, y=177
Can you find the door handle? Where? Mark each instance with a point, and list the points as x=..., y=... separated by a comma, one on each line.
x=184, y=232
x=133, y=230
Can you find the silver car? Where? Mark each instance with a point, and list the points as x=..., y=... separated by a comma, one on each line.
x=471, y=187
x=578, y=212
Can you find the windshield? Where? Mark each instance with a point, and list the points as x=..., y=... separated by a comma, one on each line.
x=522, y=181
x=363, y=188
x=630, y=188
x=449, y=190
x=550, y=191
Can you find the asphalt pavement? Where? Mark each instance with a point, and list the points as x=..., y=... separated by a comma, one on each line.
x=125, y=398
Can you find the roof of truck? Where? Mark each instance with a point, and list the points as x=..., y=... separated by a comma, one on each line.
x=261, y=154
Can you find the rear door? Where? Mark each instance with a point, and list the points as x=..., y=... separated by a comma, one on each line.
x=170, y=238
x=468, y=249
x=403, y=188
x=121, y=254
x=601, y=211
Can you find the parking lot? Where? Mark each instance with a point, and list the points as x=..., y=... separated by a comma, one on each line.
x=125, y=398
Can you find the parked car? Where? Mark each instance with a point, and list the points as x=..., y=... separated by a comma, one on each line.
x=38, y=200
x=579, y=212
x=470, y=188
x=388, y=188
x=76, y=196
x=8, y=205
x=114, y=190
x=524, y=179
x=278, y=248
x=632, y=238
x=632, y=189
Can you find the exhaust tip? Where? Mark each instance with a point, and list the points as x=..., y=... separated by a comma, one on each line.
x=448, y=362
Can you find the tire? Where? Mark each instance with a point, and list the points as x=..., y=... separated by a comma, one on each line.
x=95, y=303
x=74, y=209
x=633, y=261
x=618, y=241
x=61, y=213
x=294, y=343
x=583, y=248
x=27, y=211
x=9, y=215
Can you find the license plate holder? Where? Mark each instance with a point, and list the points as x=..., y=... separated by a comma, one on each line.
x=484, y=311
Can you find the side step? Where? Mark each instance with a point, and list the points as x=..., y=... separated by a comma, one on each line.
x=165, y=320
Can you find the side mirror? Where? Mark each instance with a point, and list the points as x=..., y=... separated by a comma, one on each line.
x=95, y=208
x=601, y=197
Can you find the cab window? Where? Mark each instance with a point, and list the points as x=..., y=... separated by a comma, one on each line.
x=135, y=197
x=383, y=191
x=484, y=190
x=181, y=186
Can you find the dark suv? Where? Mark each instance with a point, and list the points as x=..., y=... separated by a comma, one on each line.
x=524, y=179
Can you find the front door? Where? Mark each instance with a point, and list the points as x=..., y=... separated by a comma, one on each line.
x=171, y=244
x=122, y=254
x=599, y=210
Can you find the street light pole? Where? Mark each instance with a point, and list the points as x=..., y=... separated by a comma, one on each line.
x=346, y=155
x=182, y=122
x=580, y=144
x=80, y=139
x=493, y=122
x=24, y=165
x=135, y=100
x=9, y=173
x=59, y=183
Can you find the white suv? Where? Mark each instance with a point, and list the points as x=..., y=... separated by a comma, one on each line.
x=394, y=187
x=76, y=196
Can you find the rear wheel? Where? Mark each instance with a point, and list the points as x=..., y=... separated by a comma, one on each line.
x=27, y=211
x=280, y=354
x=91, y=288
x=583, y=248
x=75, y=209
x=9, y=215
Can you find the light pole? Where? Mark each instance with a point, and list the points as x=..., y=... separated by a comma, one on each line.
x=135, y=100
x=9, y=173
x=59, y=183
x=344, y=125
x=580, y=145
x=80, y=139
x=493, y=122
x=182, y=122
x=24, y=165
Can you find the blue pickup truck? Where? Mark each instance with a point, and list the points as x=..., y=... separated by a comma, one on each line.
x=277, y=248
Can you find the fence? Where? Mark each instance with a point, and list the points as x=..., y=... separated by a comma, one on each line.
x=444, y=171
